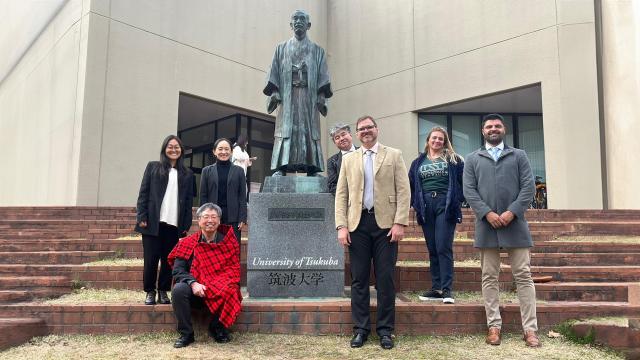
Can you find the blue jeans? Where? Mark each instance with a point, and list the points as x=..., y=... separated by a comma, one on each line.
x=438, y=234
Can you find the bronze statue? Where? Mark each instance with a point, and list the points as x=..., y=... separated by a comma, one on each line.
x=299, y=82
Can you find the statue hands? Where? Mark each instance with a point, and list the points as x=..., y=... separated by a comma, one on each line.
x=322, y=104
x=273, y=101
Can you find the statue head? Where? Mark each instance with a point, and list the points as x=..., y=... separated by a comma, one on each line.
x=300, y=23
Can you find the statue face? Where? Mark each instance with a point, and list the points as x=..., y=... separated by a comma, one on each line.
x=300, y=24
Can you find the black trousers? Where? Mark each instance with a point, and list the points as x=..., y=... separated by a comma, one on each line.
x=182, y=301
x=368, y=242
x=157, y=248
x=234, y=226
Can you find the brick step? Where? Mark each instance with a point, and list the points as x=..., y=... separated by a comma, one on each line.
x=14, y=296
x=625, y=339
x=580, y=259
x=418, y=278
x=55, y=257
x=8, y=282
x=128, y=213
x=16, y=331
x=309, y=317
x=602, y=274
x=584, y=291
x=416, y=249
x=128, y=248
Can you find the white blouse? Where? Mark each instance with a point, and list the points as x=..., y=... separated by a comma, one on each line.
x=241, y=158
x=169, y=208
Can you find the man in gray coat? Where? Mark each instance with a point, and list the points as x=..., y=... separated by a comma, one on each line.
x=498, y=184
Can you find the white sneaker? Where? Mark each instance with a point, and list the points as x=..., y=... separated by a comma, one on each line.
x=447, y=297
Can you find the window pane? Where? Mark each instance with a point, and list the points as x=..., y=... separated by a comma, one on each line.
x=262, y=130
x=508, y=123
x=531, y=138
x=198, y=136
x=466, y=134
x=227, y=128
x=425, y=123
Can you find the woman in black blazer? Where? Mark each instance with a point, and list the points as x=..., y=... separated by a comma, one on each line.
x=163, y=215
x=225, y=185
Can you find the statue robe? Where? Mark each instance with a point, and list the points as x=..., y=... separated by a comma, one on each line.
x=297, y=132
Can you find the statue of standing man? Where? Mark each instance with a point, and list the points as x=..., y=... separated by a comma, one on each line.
x=299, y=82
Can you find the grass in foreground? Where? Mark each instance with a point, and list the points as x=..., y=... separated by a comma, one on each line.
x=261, y=346
x=600, y=239
x=116, y=262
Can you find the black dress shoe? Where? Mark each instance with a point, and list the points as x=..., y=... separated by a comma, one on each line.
x=151, y=298
x=183, y=341
x=386, y=342
x=222, y=335
x=358, y=340
x=163, y=298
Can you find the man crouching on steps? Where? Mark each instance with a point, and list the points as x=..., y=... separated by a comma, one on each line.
x=206, y=269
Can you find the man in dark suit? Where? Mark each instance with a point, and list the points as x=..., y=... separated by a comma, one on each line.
x=372, y=210
x=341, y=135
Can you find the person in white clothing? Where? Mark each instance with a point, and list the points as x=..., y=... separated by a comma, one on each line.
x=240, y=156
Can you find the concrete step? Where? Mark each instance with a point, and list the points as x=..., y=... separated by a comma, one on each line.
x=16, y=331
x=8, y=282
x=54, y=257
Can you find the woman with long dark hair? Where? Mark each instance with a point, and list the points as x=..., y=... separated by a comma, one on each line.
x=163, y=215
x=225, y=185
x=240, y=155
x=436, y=196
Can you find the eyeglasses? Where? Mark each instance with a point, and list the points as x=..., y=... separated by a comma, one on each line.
x=209, y=217
x=365, y=128
x=173, y=148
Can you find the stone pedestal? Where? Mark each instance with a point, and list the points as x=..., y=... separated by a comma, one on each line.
x=293, y=251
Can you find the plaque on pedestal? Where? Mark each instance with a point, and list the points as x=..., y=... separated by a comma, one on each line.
x=293, y=251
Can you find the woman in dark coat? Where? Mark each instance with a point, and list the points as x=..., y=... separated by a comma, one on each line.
x=163, y=215
x=225, y=185
x=436, y=197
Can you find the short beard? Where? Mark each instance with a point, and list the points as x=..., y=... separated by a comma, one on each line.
x=494, y=143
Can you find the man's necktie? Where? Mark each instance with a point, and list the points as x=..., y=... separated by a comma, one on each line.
x=368, y=180
x=495, y=153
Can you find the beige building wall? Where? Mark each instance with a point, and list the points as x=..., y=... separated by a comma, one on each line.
x=90, y=102
x=392, y=59
x=39, y=114
x=621, y=91
x=144, y=53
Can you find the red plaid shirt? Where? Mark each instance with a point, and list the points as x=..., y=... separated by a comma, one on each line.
x=217, y=267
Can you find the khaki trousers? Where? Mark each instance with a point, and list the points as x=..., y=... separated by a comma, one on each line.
x=521, y=270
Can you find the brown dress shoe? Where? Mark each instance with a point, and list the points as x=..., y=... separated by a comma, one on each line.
x=493, y=336
x=531, y=339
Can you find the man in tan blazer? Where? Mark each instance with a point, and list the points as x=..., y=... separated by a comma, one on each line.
x=372, y=210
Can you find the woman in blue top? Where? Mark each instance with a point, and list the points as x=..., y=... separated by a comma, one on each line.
x=436, y=197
